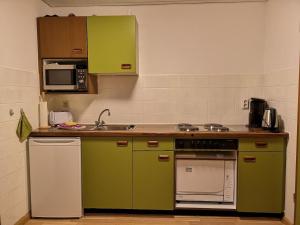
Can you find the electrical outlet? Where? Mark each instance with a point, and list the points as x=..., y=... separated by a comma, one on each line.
x=245, y=103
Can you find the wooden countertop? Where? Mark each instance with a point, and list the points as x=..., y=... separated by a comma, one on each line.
x=236, y=131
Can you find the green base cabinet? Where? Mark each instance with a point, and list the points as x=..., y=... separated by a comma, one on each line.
x=112, y=45
x=261, y=174
x=107, y=172
x=153, y=180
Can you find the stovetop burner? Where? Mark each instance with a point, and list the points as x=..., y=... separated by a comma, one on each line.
x=187, y=127
x=218, y=129
x=211, y=127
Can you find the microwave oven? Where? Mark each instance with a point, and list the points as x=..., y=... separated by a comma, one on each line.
x=65, y=75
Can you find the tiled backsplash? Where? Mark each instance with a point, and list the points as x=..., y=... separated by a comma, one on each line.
x=165, y=99
x=18, y=89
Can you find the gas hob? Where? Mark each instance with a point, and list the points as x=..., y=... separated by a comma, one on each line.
x=209, y=127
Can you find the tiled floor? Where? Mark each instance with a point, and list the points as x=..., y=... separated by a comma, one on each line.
x=156, y=220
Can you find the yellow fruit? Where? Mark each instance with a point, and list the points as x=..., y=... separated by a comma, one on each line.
x=70, y=123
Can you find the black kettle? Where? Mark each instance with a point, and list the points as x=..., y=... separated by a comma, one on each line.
x=270, y=120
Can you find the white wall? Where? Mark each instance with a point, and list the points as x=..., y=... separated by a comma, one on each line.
x=281, y=78
x=19, y=87
x=196, y=64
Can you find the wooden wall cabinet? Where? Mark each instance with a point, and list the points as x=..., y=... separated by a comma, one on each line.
x=62, y=37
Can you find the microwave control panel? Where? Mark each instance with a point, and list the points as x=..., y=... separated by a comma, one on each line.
x=81, y=79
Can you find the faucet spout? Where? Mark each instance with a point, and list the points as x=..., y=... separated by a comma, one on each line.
x=100, y=122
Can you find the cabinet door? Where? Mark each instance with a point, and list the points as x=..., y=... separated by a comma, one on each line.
x=153, y=180
x=260, y=182
x=107, y=173
x=62, y=37
x=112, y=44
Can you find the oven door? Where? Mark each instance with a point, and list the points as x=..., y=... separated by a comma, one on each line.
x=59, y=77
x=206, y=176
x=200, y=180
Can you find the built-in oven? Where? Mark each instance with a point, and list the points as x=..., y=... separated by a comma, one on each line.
x=64, y=75
x=206, y=173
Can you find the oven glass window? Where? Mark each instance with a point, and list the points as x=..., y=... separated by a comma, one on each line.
x=60, y=77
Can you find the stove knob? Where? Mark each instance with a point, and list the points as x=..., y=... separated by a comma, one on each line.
x=198, y=144
x=192, y=144
x=179, y=144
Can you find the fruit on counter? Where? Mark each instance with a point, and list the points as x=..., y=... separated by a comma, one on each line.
x=70, y=123
x=70, y=126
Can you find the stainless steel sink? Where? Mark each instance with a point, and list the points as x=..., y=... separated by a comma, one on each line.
x=105, y=127
x=108, y=127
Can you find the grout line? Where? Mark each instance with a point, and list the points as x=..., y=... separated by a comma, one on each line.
x=18, y=69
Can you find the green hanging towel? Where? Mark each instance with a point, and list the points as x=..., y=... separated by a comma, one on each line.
x=24, y=127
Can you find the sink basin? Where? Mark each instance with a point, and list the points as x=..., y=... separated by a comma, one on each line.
x=108, y=127
x=105, y=127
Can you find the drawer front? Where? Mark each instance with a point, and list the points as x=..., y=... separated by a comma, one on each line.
x=262, y=144
x=111, y=143
x=153, y=143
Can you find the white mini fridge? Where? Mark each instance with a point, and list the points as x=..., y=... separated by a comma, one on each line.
x=55, y=177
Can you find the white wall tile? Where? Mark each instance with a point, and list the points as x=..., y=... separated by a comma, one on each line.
x=203, y=98
x=161, y=81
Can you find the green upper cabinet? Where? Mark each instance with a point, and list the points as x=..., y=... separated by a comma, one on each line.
x=112, y=45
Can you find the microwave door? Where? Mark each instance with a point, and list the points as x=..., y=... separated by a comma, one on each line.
x=60, y=77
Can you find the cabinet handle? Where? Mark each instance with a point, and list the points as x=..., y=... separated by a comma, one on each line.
x=77, y=50
x=122, y=143
x=153, y=144
x=125, y=66
x=163, y=157
x=261, y=144
x=250, y=159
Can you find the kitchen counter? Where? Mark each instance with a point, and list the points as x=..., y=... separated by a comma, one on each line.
x=116, y=165
x=236, y=131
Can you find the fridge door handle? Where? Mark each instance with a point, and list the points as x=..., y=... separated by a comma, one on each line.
x=54, y=141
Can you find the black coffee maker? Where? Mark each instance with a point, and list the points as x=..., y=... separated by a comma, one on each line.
x=257, y=109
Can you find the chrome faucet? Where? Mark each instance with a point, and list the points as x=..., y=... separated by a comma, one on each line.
x=100, y=122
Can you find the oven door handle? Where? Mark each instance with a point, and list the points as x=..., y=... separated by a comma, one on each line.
x=200, y=193
x=205, y=158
